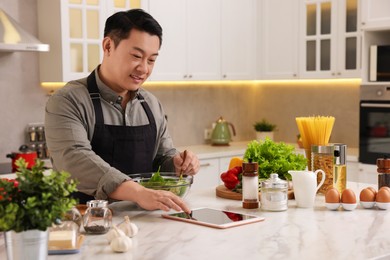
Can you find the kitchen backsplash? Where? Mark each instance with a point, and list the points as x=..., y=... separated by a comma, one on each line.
x=192, y=108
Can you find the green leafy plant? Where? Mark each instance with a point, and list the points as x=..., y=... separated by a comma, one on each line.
x=264, y=126
x=274, y=157
x=34, y=200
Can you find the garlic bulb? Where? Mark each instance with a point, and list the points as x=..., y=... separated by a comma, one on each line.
x=114, y=233
x=121, y=244
x=128, y=227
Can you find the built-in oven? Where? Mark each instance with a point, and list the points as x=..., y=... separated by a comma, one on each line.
x=374, y=132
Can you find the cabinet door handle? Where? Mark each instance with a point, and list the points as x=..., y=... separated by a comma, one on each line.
x=205, y=164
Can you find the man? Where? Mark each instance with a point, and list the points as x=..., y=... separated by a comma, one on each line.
x=106, y=126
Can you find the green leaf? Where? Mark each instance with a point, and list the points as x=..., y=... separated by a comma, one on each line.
x=274, y=157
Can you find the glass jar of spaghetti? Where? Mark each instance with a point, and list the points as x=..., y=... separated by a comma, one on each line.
x=322, y=157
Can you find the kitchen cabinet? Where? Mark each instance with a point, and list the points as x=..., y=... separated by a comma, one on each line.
x=238, y=39
x=202, y=40
x=210, y=171
x=375, y=14
x=330, y=39
x=278, y=39
x=74, y=30
x=190, y=47
x=208, y=175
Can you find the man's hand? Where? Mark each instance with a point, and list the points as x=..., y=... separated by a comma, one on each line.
x=188, y=165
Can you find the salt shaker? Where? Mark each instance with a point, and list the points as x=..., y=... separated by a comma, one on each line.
x=98, y=217
x=250, y=185
x=274, y=194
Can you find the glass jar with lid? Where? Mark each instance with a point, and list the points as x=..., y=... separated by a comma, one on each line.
x=98, y=217
x=274, y=194
x=322, y=157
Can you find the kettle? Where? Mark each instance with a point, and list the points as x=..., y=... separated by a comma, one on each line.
x=26, y=153
x=221, y=133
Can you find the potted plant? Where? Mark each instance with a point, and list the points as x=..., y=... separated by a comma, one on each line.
x=264, y=129
x=31, y=203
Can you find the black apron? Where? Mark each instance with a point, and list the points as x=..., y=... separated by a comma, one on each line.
x=127, y=148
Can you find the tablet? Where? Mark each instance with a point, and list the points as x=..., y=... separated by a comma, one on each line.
x=215, y=218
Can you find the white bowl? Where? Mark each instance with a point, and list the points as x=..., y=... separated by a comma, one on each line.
x=332, y=206
x=349, y=206
x=367, y=204
x=383, y=205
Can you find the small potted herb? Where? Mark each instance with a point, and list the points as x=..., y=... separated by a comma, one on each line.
x=31, y=203
x=264, y=129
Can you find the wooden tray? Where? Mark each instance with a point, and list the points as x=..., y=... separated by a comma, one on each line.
x=223, y=192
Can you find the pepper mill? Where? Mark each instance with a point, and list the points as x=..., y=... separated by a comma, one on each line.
x=250, y=185
x=383, y=170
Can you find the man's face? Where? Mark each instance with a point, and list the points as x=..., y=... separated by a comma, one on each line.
x=131, y=62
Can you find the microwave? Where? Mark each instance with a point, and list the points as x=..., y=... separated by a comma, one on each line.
x=379, y=63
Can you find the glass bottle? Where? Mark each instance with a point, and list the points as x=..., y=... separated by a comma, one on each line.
x=32, y=134
x=322, y=157
x=274, y=194
x=250, y=185
x=340, y=167
x=98, y=217
x=383, y=170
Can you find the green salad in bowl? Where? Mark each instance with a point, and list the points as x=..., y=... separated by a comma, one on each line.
x=165, y=181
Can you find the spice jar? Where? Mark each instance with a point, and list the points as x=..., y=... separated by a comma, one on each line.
x=383, y=170
x=32, y=134
x=322, y=157
x=250, y=185
x=274, y=194
x=97, y=218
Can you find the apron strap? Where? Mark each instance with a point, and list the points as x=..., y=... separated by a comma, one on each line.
x=95, y=97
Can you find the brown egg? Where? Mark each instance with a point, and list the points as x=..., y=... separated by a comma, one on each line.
x=383, y=195
x=367, y=195
x=372, y=189
x=332, y=196
x=348, y=197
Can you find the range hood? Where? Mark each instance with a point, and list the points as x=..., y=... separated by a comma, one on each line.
x=14, y=38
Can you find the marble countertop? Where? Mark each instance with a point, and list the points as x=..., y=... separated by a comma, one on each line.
x=298, y=233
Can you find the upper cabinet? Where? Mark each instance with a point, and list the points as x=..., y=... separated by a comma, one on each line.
x=74, y=30
x=205, y=39
x=238, y=39
x=190, y=46
x=375, y=14
x=277, y=32
x=330, y=39
x=376, y=31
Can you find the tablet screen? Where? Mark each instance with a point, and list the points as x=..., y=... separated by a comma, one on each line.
x=215, y=217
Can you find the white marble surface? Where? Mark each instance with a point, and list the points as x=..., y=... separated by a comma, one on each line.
x=297, y=233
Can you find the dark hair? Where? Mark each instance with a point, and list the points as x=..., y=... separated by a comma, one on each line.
x=119, y=25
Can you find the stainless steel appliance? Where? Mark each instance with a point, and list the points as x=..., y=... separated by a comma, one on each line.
x=379, y=63
x=374, y=132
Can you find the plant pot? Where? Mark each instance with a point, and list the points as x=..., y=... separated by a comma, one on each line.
x=30, y=244
x=260, y=136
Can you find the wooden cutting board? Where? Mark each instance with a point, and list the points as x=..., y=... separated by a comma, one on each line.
x=223, y=192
